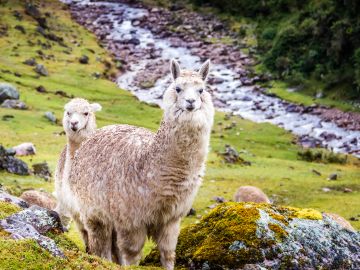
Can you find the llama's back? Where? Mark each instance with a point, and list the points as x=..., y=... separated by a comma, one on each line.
x=108, y=164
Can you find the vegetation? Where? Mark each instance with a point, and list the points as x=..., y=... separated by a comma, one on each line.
x=275, y=166
x=229, y=235
x=312, y=40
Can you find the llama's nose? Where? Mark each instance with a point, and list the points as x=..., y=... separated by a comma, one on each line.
x=190, y=104
x=190, y=101
x=74, y=123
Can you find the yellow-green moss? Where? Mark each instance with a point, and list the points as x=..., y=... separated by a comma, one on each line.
x=7, y=209
x=280, y=233
x=306, y=213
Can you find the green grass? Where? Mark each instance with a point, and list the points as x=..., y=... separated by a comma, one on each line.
x=275, y=166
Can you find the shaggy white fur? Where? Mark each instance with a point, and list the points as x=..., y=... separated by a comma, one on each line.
x=79, y=123
x=131, y=183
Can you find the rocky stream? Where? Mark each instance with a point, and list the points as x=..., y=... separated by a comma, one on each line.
x=144, y=39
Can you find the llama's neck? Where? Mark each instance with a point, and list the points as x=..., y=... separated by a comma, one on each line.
x=182, y=147
x=72, y=146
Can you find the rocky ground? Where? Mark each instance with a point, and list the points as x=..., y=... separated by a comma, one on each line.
x=142, y=39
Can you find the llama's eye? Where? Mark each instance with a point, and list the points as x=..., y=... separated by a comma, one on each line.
x=68, y=113
x=178, y=89
x=86, y=114
x=201, y=90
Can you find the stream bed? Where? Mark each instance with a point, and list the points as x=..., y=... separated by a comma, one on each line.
x=140, y=39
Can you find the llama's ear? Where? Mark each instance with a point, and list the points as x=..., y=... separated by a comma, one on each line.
x=95, y=107
x=175, y=69
x=204, y=70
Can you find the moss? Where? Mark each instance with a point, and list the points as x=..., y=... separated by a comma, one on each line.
x=234, y=234
x=307, y=214
x=280, y=233
x=7, y=209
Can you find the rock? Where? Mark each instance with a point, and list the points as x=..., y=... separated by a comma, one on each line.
x=333, y=176
x=250, y=194
x=51, y=116
x=134, y=41
x=14, y=104
x=326, y=189
x=7, y=117
x=348, y=190
x=341, y=221
x=63, y=94
x=84, y=59
x=6, y=197
x=219, y=199
x=25, y=149
x=20, y=28
x=41, y=89
x=40, y=198
x=316, y=172
x=192, y=212
x=32, y=223
x=232, y=156
x=32, y=10
x=8, y=91
x=41, y=70
x=264, y=236
x=42, y=170
x=12, y=164
x=30, y=62
x=319, y=95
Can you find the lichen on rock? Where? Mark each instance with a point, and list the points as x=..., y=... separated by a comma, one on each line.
x=235, y=235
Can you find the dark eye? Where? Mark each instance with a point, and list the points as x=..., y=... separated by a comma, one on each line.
x=201, y=90
x=178, y=89
x=86, y=114
x=68, y=113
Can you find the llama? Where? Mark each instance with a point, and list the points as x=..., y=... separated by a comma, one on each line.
x=250, y=194
x=79, y=123
x=131, y=183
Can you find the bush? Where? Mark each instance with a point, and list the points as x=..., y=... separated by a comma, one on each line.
x=321, y=156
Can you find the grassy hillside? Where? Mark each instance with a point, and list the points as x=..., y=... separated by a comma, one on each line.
x=274, y=157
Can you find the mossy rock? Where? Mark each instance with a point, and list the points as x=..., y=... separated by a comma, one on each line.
x=7, y=209
x=235, y=235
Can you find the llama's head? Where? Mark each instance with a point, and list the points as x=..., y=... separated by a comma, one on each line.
x=187, y=99
x=79, y=118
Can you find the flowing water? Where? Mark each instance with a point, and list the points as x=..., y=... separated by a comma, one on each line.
x=241, y=100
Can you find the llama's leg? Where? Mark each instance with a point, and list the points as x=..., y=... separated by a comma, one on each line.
x=81, y=228
x=64, y=216
x=115, y=251
x=166, y=237
x=99, y=237
x=130, y=244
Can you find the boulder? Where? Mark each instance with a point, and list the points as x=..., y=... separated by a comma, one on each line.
x=6, y=197
x=50, y=116
x=33, y=223
x=40, y=198
x=231, y=155
x=41, y=70
x=25, y=149
x=8, y=91
x=11, y=164
x=250, y=194
x=264, y=236
x=42, y=170
x=30, y=62
x=14, y=104
x=84, y=59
